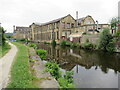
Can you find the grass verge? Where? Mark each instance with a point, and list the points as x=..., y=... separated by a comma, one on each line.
x=20, y=73
x=4, y=49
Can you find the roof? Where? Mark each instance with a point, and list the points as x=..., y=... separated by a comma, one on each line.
x=21, y=28
x=80, y=19
x=83, y=18
x=75, y=35
x=53, y=21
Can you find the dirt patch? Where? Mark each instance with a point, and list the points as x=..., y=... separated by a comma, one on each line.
x=43, y=79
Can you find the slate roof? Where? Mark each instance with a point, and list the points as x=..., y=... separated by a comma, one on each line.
x=81, y=19
x=21, y=28
x=53, y=21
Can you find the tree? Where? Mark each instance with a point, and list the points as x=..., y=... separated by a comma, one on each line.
x=2, y=37
x=114, y=22
x=106, y=42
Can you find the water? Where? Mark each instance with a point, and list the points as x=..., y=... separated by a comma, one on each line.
x=92, y=69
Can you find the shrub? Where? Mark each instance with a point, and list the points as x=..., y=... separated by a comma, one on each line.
x=88, y=45
x=63, y=43
x=106, y=41
x=32, y=60
x=41, y=53
x=68, y=76
x=32, y=45
x=46, y=42
x=117, y=34
x=110, y=47
x=54, y=69
x=20, y=40
x=53, y=43
x=2, y=36
x=64, y=83
x=74, y=45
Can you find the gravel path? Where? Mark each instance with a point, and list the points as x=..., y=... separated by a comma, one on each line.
x=5, y=65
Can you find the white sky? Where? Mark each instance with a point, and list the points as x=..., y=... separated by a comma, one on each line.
x=25, y=12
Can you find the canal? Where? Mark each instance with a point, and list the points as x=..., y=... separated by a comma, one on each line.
x=92, y=69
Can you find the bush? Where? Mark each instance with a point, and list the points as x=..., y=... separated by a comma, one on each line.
x=74, y=45
x=64, y=82
x=117, y=34
x=41, y=53
x=106, y=41
x=20, y=40
x=32, y=45
x=88, y=45
x=63, y=43
x=68, y=76
x=110, y=47
x=54, y=69
x=46, y=43
x=53, y=43
x=2, y=36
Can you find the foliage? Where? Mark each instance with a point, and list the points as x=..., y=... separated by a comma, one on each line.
x=46, y=43
x=20, y=75
x=33, y=45
x=41, y=53
x=54, y=69
x=114, y=21
x=20, y=40
x=106, y=41
x=64, y=82
x=63, y=43
x=4, y=49
x=111, y=46
x=88, y=45
x=32, y=60
x=68, y=76
x=9, y=35
x=2, y=35
x=53, y=43
x=117, y=34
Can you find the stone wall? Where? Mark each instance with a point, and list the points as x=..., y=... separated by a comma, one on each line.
x=92, y=38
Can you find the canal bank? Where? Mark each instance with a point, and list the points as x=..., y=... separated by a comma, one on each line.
x=91, y=68
x=37, y=67
x=28, y=70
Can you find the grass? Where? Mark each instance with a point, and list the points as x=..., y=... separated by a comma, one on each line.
x=20, y=73
x=4, y=49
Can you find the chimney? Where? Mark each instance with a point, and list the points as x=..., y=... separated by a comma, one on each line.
x=77, y=17
x=14, y=28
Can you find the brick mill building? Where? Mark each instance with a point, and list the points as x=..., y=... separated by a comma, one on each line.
x=58, y=29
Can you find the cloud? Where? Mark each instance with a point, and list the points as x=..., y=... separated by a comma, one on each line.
x=25, y=12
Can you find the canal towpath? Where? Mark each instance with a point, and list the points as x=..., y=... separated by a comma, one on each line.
x=5, y=65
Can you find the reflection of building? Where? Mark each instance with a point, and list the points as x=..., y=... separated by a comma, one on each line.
x=61, y=28
x=69, y=58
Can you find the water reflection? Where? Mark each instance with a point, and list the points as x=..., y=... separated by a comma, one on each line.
x=98, y=67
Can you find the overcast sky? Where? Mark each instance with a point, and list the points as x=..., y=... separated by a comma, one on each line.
x=25, y=12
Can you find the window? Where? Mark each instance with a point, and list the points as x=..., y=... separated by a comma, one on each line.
x=72, y=26
x=58, y=35
x=68, y=25
x=63, y=25
x=88, y=22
